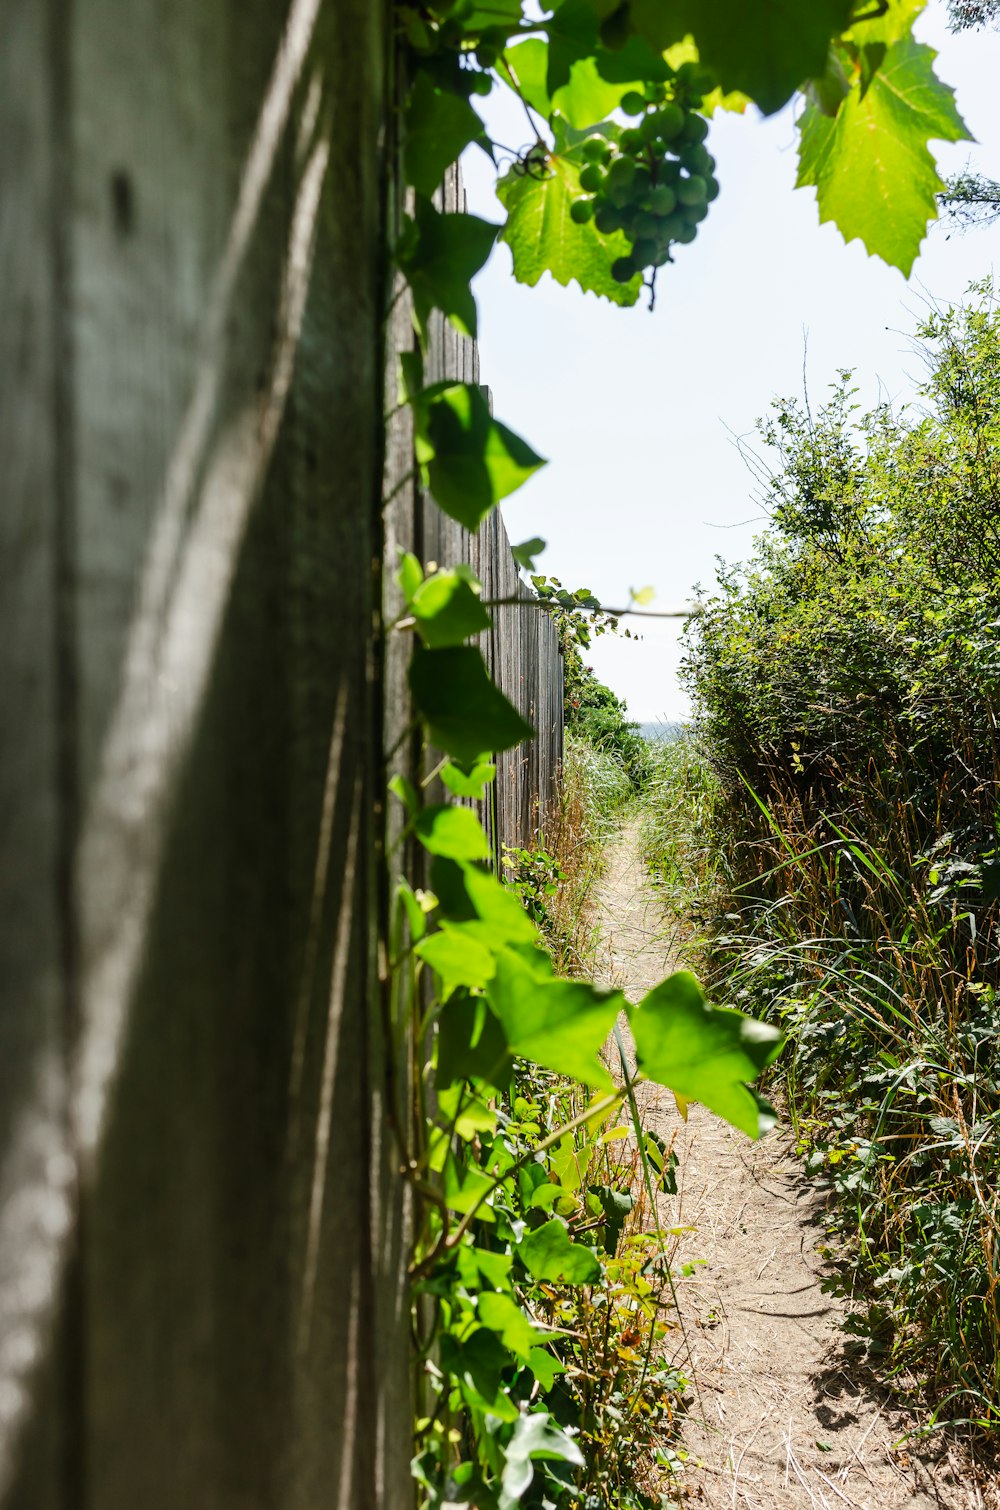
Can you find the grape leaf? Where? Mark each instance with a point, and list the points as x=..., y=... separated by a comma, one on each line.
x=543, y=239
x=702, y=1052
x=893, y=25
x=767, y=48
x=526, y=65
x=874, y=174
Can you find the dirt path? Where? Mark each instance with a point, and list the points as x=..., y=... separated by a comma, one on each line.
x=783, y=1418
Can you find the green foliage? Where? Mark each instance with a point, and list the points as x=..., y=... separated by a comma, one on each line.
x=464, y=712
x=544, y=238
x=847, y=685
x=470, y=461
x=440, y=254
x=596, y=203
x=544, y=1377
x=970, y=199
x=872, y=156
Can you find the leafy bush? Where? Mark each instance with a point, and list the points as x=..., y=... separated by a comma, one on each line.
x=848, y=684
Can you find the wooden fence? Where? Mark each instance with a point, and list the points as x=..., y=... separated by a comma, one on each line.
x=202, y=1223
x=522, y=647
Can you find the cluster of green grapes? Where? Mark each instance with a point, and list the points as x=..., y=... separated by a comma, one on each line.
x=655, y=182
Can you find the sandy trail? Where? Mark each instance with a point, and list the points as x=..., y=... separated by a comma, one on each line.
x=783, y=1417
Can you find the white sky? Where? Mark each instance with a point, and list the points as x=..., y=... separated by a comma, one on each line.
x=634, y=411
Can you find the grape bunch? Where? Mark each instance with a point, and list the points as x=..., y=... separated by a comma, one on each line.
x=655, y=182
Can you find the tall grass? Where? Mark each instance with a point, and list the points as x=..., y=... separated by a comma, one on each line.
x=556, y=879
x=857, y=915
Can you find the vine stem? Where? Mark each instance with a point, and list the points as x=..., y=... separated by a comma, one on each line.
x=446, y=1243
x=615, y=613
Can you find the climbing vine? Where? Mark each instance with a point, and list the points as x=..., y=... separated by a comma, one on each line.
x=538, y=1312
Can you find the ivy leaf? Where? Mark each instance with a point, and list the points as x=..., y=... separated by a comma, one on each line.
x=473, y=896
x=874, y=174
x=478, y=1364
x=549, y=1253
x=702, y=1052
x=504, y=1316
x=616, y=1205
x=545, y=1367
x=470, y=460
x=439, y=126
x=543, y=239
x=471, y=1044
x=469, y=783
x=465, y=714
x=525, y=553
x=439, y=255
x=448, y=608
x=457, y=959
x=560, y=1024
x=454, y=832
x=536, y=1435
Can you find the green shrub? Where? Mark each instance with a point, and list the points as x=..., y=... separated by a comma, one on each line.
x=845, y=833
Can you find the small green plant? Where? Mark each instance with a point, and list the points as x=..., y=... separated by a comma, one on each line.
x=534, y=875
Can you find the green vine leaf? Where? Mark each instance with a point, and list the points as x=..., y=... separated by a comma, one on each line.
x=549, y=1253
x=536, y=1435
x=763, y=48
x=472, y=896
x=543, y=239
x=701, y=1052
x=470, y=461
x=874, y=174
x=525, y=553
x=478, y=1364
x=440, y=254
x=560, y=1024
x=504, y=1316
x=453, y=832
x=471, y=783
x=439, y=126
x=447, y=607
x=466, y=715
x=457, y=959
x=471, y=1044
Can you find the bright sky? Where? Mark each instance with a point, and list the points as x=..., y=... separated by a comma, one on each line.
x=637, y=412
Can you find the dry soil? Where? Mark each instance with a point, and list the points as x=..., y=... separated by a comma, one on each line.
x=785, y=1414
